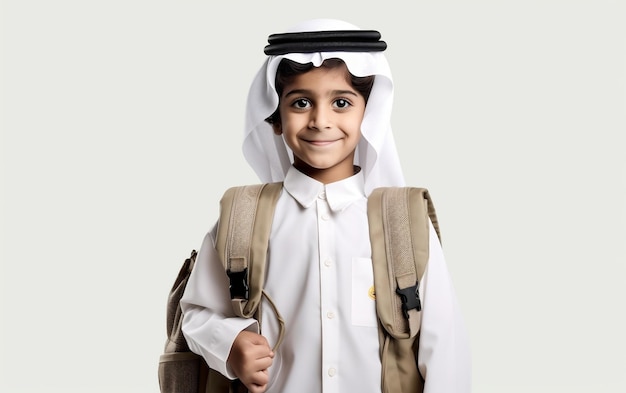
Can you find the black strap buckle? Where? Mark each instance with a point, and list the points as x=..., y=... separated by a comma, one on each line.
x=410, y=299
x=238, y=284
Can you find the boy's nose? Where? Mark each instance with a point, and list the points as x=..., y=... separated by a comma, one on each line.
x=320, y=119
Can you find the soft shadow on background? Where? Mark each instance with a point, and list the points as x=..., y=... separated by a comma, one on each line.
x=121, y=128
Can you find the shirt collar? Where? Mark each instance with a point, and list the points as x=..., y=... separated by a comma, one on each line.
x=339, y=195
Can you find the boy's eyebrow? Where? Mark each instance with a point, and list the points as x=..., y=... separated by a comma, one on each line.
x=331, y=93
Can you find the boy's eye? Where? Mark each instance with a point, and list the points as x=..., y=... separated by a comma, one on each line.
x=301, y=103
x=341, y=103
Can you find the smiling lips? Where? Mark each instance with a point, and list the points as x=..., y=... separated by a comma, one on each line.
x=320, y=143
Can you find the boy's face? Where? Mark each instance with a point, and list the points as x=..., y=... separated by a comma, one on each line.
x=321, y=115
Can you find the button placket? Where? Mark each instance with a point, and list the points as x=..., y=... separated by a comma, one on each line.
x=328, y=294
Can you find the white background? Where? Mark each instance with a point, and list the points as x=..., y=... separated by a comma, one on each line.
x=121, y=127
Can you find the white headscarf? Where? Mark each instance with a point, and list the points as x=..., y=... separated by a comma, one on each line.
x=376, y=153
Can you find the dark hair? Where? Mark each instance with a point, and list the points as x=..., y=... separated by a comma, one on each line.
x=288, y=70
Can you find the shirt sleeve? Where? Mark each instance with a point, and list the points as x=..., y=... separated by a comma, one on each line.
x=444, y=353
x=209, y=324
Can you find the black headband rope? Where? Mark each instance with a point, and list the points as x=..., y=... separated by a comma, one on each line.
x=325, y=41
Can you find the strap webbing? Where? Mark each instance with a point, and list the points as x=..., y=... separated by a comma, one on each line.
x=400, y=252
x=399, y=233
x=243, y=212
x=242, y=245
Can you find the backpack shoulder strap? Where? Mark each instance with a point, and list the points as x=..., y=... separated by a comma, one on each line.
x=244, y=211
x=399, y=234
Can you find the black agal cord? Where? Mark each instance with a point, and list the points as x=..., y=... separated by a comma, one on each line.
x=325, y=41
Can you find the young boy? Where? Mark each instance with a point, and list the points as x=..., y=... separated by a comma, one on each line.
x=318, y=119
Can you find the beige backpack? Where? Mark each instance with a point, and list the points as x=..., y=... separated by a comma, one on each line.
x=399, y=234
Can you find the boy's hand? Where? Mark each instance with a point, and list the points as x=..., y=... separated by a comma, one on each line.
x=250, y=358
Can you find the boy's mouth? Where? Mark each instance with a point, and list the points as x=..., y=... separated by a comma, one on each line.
x=320, y=143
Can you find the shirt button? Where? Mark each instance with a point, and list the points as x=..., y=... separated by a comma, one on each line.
x=322, y=195
x=330, y=315
x=328, y=262
x=325, y=217
x=332, y=371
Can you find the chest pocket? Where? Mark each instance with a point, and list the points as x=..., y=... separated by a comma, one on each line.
x=363, y=293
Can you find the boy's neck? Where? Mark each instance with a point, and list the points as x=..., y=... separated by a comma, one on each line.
x=327, y=176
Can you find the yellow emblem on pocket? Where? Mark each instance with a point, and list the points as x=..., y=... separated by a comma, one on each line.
x=372, y=293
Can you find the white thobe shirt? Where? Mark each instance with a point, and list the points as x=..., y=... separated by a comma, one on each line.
x=319, y=275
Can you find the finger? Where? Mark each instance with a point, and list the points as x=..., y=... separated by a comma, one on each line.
x=255, y=367
x=257, y=388
x=263, y=363
x=256, y=383
x=259, y=352
x=259, y=378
